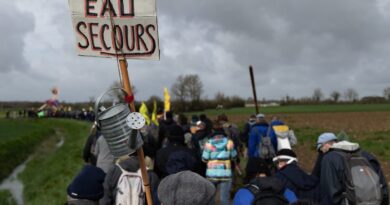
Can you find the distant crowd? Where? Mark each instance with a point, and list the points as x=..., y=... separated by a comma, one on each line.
x=78, y=114
x=190, y=161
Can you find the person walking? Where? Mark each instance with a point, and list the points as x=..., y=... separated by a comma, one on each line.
x=259, y=130
x=352, y=176
x=218, y=153
x=294, y=178
x=324, y=143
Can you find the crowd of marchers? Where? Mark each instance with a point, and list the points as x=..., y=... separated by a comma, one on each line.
x=197, y=161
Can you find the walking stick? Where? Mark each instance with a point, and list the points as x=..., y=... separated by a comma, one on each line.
x=253, y=88
x=140, y=151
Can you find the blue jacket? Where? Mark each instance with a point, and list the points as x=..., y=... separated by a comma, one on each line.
x=258, y=130
x=246, y=197
x=303, y=185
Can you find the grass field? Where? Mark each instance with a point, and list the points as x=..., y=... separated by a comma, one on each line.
x=18, y=139
x=51, y=169
x=301, y=109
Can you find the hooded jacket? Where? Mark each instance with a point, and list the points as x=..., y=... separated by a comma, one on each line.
x=332, y=174
x=113, y=175
x=257, y=132
x=218, y=153
x=303, y=185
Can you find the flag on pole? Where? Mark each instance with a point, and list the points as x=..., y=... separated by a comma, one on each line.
x=167, y=100
x=154, y=113
x=144, y=111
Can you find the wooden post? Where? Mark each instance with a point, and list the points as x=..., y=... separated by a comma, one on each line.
x=140, y=151
x=253, y=88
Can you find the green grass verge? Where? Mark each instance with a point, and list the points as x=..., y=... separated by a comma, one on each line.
x=377, y=142
x=51, y=170
x=301, y=109
x=18, y=139
x=6, y=198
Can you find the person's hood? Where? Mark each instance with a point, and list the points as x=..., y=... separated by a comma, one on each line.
x=131, y=164
x=219, y=141
x=277, y=122
x=346, y=146
x=298, y=177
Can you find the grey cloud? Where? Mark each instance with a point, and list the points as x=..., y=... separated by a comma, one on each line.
x=14, y=26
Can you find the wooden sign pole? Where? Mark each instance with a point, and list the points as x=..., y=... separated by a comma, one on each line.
x=140, y=151
x=253, y=88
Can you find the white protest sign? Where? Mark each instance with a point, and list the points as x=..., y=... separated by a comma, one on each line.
x=111, y=28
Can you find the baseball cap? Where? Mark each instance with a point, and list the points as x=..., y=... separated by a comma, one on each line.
x=324, y=138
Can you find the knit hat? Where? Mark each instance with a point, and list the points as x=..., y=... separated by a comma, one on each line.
x=324, y=138
x=286, y=154
x=88, y=184
x=257, y=165
x=185, y=187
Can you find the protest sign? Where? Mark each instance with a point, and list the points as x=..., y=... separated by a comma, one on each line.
x=111, y=28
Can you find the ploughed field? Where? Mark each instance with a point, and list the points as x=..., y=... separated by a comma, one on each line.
x=370, y=129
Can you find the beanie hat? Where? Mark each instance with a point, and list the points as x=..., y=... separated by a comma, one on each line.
x=185, y=187
x=257, y=165
x=286, y=154
x=324, y=138
x=175, y=134
x=88, y=184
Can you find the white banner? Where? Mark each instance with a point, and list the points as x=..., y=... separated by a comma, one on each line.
x=130, y=30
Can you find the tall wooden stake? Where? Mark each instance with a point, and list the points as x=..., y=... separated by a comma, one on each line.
x=253, y=88
x=140, y=151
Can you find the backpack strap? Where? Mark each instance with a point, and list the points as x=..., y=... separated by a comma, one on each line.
x=278, y=197
x=253, y=189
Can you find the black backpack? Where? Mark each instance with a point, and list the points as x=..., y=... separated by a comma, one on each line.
x=362, y=183
x=267, y=191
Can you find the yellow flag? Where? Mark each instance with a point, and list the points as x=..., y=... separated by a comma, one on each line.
x=154, y=113
x=144, y=111
x=167, y=100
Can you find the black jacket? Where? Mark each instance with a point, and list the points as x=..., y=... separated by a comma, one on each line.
x=332, y=178
x=189, y=159
x=317, y=166
x=112, y=177
x=165, y=126
x=303, y=185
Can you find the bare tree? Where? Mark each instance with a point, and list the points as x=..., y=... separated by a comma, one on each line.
x=194, y=87
x=335, y=95
x=317, y=95
x=179, y=90
x=386, y=93
x=187, y=88
x=351, y=95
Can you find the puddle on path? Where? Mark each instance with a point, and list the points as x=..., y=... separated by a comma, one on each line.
x=14, y=185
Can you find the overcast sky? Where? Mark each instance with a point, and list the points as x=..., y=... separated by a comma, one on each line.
x=294, y=46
